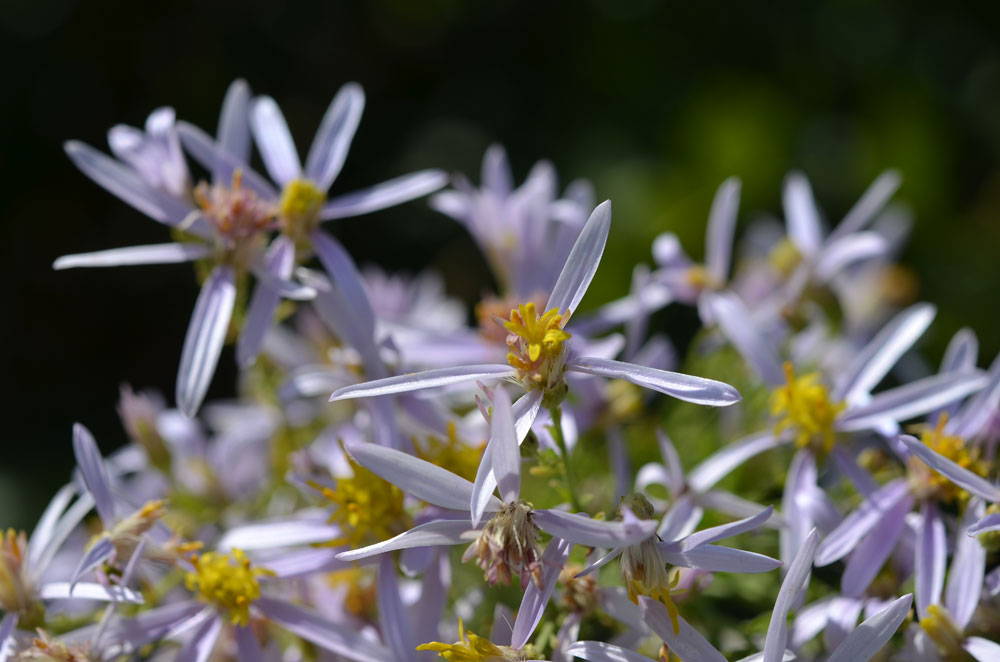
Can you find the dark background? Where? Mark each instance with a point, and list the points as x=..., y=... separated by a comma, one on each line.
x=655, y=102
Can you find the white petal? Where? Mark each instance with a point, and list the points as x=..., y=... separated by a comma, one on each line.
x=274, y=140
x=205, y=336
x=581, y=265
x=95, y=474
x=722, y=531
x=233, y=132
x=152, y=254
x=838, y=254
x=598, y=651
x=422, y=380
x=721, y=227
x=719, y=559
x=952, y=471
x=983, y=650
x=345, y=277
x=283, y=533
x=968, y=569
x=740, y=329
x=719, y=464
x=333, y=139
x=431, y=534
x=870, y=204
x=868, y=638
x=333, y=637
x=683, y=387
x=931, y=559
x=687, y=644
x=387, y=194
x=280, y=259
x=204, y=150
x=536, y=599
x=842, y=540
x=801, y=215
x=201, y=642
x=583, y=530
x=795, y=578
x=392, y=618
x=913, y=399
x=88, y=591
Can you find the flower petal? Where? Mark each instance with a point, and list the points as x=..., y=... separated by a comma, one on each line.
x=717, y=559
x=430, y=534
x=330, y=636
x=274, y=140
x=875, y=548
x=801, y=216
x=740, y=329
x=536, y=599
x=582, y=262
x=985, y=525
x=726, y=530
x=687, y=644
x=247, y=647
x=860, y=522
x=98, y=553
x=957, y=474
x=506, y=452
x=931, y=558
x=204, y=150
x=393, y=623
x=233, y=132
x=838, y=254
x=88, y=591
x=583, y=530
x=913, y=399
x=132, y=255
x=718, y=465
x=869, y=204
x=983, y=650
x=387, y=194
x=426, y=379
x=280, y=533
x=872, y=635
x=202, y=641
x=205, y=336
x=345, y=277
x=427, y=482
x=698, y=390
x=968, y=569
x=7, y=625
x=279, y=261
x=796, y=577
x=721, y=227
x=95, y=474
x=598, y=651
x=333, y=139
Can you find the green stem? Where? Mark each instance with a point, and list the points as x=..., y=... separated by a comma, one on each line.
x=557, y=434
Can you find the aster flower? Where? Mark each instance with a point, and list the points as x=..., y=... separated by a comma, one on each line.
x=540, y=348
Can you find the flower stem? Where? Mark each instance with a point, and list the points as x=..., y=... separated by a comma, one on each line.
x=557, y=434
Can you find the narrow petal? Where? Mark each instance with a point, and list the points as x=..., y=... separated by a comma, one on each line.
x=727, y=530
x=47, y=523
x=931, y=558
x=393, y=623
x=98, y=553
x=683, y=387
x=330, y=636
x=838, y=254
x=333, y=139
x=681, y=518
x=583, y=530
x=88, y=591
x=721, y=227
x=426, y=379
x=875, y=548
x=968, y=569
x=124, y=183
x=202, y=641
x=209, y=154
x=985, y=525
x=536, y=599
x=495, y=171
x=152, y=254
x=687, y=644
x=980, y=409
x=913, y=399
x=674, y=476
x=842, y=540
x=67, y=522
x=95, y=474
x=506, y=453
x=957, y=474
x=306, y=562
x=598, y=651
x=205, y=336
x=247, y=648
x=581, y=265
x=428, y=482
x=798, y=572
x=274, y=140
x=801, y=218
x=872, y=635
x=870, y=204
x=345, y=277
x=717, y=559
x=7, y=625
x=601, y=562
x=983, y=650
x=525, y=410
x=281, y=533
x=718, y=465
x=279, y=261
x=876, y=358
x=740, y=329
x=736, y=506
x=387, y=194
x=431, y=534
x=961, y=353
x=233, y=132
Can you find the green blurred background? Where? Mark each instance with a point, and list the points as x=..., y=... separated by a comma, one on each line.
x=655, y=102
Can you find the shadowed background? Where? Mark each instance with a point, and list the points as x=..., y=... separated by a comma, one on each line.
x=655, y=103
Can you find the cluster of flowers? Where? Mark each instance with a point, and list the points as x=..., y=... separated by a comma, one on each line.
x=316, y=517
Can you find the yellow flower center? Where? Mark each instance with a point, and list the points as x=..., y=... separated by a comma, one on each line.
x=453, y=454
x=227, y=581
x=701, y=278
x=301, y=202
x=367, y=508
x=785, y=257
x=930, y=483
x=803, y=406
x=536, y=346
x=943, y=631
x=473, y=648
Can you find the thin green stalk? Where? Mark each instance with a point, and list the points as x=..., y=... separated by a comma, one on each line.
x=557, y=434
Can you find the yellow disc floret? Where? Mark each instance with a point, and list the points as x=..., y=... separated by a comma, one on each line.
x=366, y=508
x=536, y=345
x=453, y=454
x=227, y=581
x=803, y=406
x=930, y=483
x=473, y=648
x=301, y=202
x=15, y=591
x=943, y=631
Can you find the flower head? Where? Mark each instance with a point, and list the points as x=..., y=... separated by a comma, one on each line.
x=473, y=648
x=227, y=581
x=803, y=406
x=508, y=543
x=366, y=507
x=930, y=483
x=15, y=592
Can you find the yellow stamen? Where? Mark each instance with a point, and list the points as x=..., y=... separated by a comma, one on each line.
x=452, y=453
x=227, y=581
x=301, y=202
x=955, y=449
x=803, y=406
x=943, y=631
x=473, y=648
x=536, y=347
x=785, y=257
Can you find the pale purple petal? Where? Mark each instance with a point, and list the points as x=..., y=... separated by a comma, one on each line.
x=799, y=483
x=393, y=623
x=133, y=255
x=346, y=278
x=957, y=474
x=875, y=548
x=860, y=478
x=306, y=562
x=42, y=534
x=983, y=650
x=98, y=553
x=333, y=637
x=687, y=644
x=525, y=410
x=126, y=184
x=796, y=577
x=7, y=626
x=801, y=217
x=736, y=506
x=811, y=620
x=202, y=641
x=502, y=459
x=428, y=482
x=985, y=525
x=717, y=559
x=274, y=140
x=979, y=410
x=674, y=476
x=698, y=390
x=233, y=132
x=535, y=599
x=968, y=569
x=598, y=651
x=279, y=261
x=201, y=146
x=913, y=399
x=503, y=625
x=726, y=530
x=387, y=194
x=838, y=254
x=583, y=530
x=718, y=465
x=740, y=329
x=247, y=648
x=961, y=353
x=872, y=635
x=721, y=227
x=931, y=558
x=875, y=359
x=95, y=474
x=680, y=519
x=39, y=555
x=88, y=591
x=280, y=533
x=205, y=337
x=431, y=534
x=426, y=614
x=581, y=265
x=869, y=204
x=427, y=379
x=861, y=521
x=601, y=562
x=333, y=139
